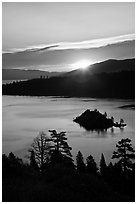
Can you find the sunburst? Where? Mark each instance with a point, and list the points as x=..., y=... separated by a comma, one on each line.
x=82, y=64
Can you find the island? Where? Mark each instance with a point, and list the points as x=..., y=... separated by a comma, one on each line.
x=94, y=120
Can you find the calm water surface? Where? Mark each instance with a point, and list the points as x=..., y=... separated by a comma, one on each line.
x=23, y=117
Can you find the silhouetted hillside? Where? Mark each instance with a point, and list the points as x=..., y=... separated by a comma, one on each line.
x=112, y=85
x=107, y=66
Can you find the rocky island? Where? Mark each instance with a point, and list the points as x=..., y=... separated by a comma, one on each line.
x=94, y=120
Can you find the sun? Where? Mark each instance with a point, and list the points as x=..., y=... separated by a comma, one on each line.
x=82, y=64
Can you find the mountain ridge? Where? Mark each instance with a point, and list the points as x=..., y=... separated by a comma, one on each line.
x=103, y=66
x=80, y=83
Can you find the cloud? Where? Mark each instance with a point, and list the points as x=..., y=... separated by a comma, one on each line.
x=95, y=43
x=30, y=49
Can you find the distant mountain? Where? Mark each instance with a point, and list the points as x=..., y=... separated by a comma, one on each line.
x=113, y=66
x=82, y=83
x=107, y=66
x=19, y=74
x=51, y=58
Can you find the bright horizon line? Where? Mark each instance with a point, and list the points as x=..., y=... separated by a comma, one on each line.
x=87, y=44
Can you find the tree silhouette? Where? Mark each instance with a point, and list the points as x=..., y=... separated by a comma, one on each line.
x=40, y=148
x=112, y=118
x=14, y=160
x=80, y=162
x=33, y=162
x=110, y=165
x=12, y=156
x=103, y=165
x=125, y=153
x=91, y=165
x=105, y=114
x=121, y=121
x=60, y=151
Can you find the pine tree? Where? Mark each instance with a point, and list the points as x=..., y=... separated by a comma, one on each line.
x=91, y=165
x=60, y=150
x=125, y=153
x=103, y=165
x=12, y=156
x=105, y=114
x=110, y=165
x=80, y=162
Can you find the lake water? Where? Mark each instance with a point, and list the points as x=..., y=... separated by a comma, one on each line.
x=24, y=117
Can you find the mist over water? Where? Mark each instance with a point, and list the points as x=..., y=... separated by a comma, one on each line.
x=24, y=117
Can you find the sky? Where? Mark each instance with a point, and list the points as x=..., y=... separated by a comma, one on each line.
x=52, y=31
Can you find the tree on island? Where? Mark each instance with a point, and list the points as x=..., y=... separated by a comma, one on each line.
x=91, y=165
x=60, y=150
x=40, y=150
x=105, y=114
x=80, y=162
x=121, y=121
x=125, y=153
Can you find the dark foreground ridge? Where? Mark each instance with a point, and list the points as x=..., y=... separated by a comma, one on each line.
x=94, y=120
